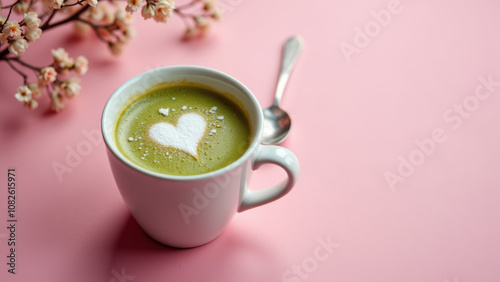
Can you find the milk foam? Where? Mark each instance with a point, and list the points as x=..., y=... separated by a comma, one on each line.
x=185, y=136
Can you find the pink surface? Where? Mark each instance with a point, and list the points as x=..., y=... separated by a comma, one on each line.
x=356, y=119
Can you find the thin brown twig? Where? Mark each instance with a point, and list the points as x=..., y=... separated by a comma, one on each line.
x=183, y=17
x=47, y=22
x=185, y=6
x=10, y=12
x=96, y=27
x=25, y=77
x=47, y=26
x=74, y=4
x=23, y=63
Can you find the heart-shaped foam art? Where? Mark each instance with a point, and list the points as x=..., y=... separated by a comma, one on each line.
x=185, y=136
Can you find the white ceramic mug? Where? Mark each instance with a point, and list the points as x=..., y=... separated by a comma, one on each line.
x=189, y=211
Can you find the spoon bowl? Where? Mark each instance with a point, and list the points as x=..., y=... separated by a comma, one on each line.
x=277, y=125
x=277, y=122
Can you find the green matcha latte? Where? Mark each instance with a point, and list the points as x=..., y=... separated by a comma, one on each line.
x=183, y=130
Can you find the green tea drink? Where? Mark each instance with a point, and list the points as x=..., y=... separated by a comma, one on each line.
x=183, y=130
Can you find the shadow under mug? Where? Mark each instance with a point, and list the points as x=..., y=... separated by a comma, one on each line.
x=189, y=211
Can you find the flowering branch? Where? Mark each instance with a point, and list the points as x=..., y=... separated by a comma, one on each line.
x=27, y=20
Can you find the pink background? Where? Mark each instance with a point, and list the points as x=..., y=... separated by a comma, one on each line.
x=351, y=123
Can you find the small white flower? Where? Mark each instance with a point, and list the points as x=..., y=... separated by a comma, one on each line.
x=96, y=13
x=41, y=81
x=216, y=13
x=35, y=90
x=12, y=29
x=116, y=47
x=23, y=94
x=202, y=24
x=59, y=54
x=33, y=34
x=208, y=5
x=18, y=46
x=81, y=65
x=57, y=102
x=53, y=4
x=92, y=3
x=71, y=87
x=62, y=59
x=163, y=11
x=57, y=4
x=123, y=19
x=148, y=11
x=31, y=104
x=21, y=8
x=49, y=75
x=129, y=33
x=31, y=20
x=133, y=5
x=108, y=13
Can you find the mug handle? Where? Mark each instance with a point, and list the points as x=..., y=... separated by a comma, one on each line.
x=275, y=155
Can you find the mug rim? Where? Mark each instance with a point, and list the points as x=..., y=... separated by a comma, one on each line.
x=215, y=74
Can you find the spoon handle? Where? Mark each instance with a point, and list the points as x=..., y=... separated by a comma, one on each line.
x=291, y=51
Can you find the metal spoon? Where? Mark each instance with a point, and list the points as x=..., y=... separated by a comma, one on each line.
x=277, y=122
